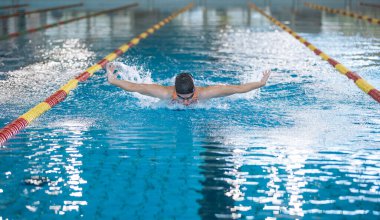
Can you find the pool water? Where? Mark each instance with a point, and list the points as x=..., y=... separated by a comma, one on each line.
x=304, y=146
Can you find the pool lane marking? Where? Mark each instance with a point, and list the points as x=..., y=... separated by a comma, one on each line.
x=342, y=12
x=369, y=4
x=359, y=81
x=16, y=34
x=40, y=10
x=14, y=6
x=24, y=120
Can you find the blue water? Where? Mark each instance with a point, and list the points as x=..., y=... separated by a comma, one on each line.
x=304, y=146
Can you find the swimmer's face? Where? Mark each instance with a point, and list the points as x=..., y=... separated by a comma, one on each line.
x=185, y=98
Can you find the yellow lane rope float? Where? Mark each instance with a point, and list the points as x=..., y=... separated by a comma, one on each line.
x=40, y=10
x=25, y=119
x=342, y=12
x=359, y=81
x=16, y=34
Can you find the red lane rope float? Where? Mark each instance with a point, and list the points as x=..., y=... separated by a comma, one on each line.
x=14, y=6
x=342, y=12
x=40, y=10
x=15, y=126
x=16, y=34
x=359, y=81
x=370, y=4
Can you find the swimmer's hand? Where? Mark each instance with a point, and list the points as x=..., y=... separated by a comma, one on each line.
x=110, y=75
x=265, y=77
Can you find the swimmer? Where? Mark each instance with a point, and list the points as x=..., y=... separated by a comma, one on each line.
x=184, y=91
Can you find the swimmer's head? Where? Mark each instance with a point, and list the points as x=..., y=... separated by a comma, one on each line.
x=184, y=83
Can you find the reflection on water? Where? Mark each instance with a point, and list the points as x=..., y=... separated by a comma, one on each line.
x=305, y=146
x=216, y=201
x=63, y=166
x=282, y=180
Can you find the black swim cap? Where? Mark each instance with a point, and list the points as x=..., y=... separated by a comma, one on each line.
x=184, y=83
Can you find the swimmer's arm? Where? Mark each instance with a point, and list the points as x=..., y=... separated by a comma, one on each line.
x=226, y=90
x=153, y=90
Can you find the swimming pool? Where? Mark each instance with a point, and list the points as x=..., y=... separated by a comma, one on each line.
x=306, y=145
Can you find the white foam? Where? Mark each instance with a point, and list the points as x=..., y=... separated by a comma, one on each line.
x=137, y=75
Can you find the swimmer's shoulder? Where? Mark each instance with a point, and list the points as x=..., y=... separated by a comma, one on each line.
x=201, y=91
x=169, y=91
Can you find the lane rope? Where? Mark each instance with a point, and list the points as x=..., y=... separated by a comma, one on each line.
x=32, y=30
x=40, y=10
x=358, y=80
x=342, y=12
x=15, y=126
x=14, y=6
x=369, y=4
